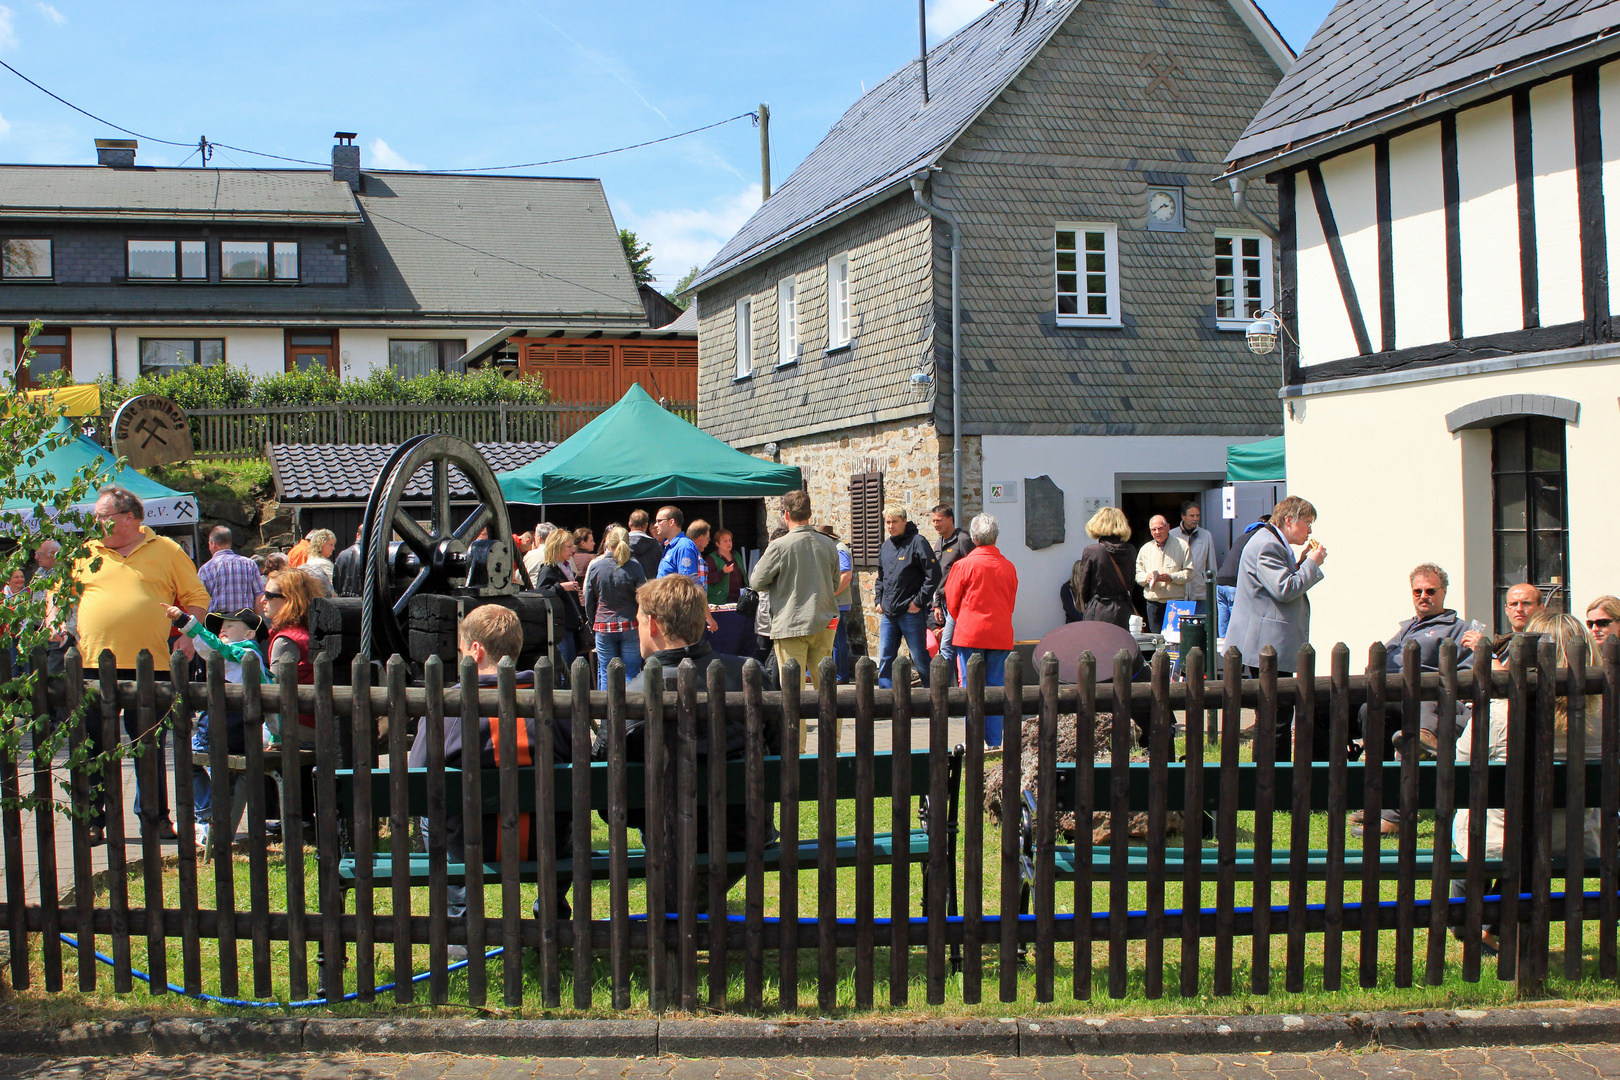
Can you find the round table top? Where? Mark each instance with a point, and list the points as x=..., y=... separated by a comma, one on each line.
x=1102, y=639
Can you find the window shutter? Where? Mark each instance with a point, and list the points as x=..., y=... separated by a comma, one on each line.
x=866, y=517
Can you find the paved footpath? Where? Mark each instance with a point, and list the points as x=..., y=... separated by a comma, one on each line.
x=1495, y=1064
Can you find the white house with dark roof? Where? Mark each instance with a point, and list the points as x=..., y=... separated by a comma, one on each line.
x=1104, y=284
x=1449, y=186
x=134, y=269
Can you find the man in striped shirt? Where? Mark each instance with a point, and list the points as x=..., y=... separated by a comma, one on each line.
x=233, y=581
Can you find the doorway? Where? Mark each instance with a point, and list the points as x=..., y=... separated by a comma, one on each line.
x=312, y=350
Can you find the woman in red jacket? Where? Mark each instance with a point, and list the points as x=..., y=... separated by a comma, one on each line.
x=980, y=594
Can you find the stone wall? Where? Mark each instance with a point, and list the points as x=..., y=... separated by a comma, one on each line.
x=916, y=463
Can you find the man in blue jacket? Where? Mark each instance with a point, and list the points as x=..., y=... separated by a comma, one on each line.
x=908, y=574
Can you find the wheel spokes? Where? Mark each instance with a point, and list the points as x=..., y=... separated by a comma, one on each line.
x=415, y=537
x=441, y=496
x=402, y=605
x=475, y=522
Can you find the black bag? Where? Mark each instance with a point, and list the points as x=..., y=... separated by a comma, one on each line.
x=747, y=603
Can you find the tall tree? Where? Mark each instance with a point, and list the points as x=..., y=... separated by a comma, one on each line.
x=675, y=297
x=640, y=256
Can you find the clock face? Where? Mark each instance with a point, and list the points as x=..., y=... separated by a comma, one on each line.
x=1162, y=206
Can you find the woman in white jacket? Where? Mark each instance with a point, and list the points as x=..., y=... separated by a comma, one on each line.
x=1565, y=631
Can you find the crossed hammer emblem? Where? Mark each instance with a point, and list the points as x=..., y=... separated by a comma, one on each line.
x=1163, y=68
x=151, y=432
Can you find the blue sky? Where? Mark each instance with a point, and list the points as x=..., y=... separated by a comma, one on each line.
x=463, y=85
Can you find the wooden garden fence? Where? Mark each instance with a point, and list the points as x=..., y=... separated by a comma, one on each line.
x=244, y=432
x=1183, y=916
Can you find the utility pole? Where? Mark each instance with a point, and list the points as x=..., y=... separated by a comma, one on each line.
x=922, y=44
x=764, y=151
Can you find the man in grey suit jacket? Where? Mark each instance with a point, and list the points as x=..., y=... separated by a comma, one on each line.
x=1271, y=607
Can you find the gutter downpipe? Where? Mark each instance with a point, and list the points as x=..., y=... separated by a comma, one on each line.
x=1240, y=200
x=917, y=182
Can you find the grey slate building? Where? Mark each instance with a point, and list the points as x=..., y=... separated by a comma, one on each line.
x=135, y=269
x=1104, y=283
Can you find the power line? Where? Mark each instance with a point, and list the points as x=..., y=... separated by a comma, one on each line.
x=321, y=164
x=603, y=153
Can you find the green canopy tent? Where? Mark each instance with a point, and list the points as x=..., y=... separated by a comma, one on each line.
x=640, y=450
x=165, y=507
x=1261, y=461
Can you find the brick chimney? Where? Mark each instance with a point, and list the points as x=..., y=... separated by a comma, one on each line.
x=116, y=153
x=346, y=159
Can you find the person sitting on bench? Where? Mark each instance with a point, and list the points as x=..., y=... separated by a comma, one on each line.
x=671, y=614
x=490, y=634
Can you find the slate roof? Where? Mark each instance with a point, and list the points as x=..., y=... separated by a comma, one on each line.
x=889, y=134
x=482, y=250
x=94, y=192
x=331, y=474
x=1372, y=57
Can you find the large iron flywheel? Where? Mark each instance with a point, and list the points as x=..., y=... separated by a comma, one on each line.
x=405, y=558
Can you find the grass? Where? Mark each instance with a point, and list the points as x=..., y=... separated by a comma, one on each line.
x=247, y=481
x=1453, y=992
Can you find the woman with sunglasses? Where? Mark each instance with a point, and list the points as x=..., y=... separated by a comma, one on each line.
x=288, y=595
x=1602, y=617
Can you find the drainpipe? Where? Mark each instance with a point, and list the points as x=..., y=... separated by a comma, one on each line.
x=917, y=182
x=1240, y=200
x=112, y=335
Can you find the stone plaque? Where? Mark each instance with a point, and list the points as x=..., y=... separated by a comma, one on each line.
x=1043, y=513
x=151, y=430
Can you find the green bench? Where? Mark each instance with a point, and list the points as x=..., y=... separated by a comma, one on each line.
x=1318, y=862
x=888, y=847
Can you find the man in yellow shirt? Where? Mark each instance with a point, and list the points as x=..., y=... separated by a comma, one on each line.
x=122, y=611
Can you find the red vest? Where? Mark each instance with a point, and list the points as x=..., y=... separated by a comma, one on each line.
x=298, y=635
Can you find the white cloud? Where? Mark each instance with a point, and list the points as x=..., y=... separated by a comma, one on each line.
x=382, y=156
x=8, y=34
x=945, y=17
x=52, y=14
x=682, y=237
x=5, y=127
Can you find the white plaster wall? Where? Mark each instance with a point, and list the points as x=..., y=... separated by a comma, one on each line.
x=1378, y=520
x=1352, y=192
x=261, y=350
x=92, y=353
x=1324, y=327
x=1418, y=238
x=1609, y=128
x=1488, y=220
x=1082, y=466
x=363, y=351
x=1558, y=222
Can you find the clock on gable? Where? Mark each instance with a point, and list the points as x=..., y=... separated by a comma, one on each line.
x=1164, y=209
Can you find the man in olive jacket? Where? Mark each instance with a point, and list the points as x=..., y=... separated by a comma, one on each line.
x=908, y=574
x=800, y=572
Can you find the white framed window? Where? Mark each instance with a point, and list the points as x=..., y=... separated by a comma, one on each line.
x=837, y=301
x=1243, y=280
x=745, y=338
x=1086, y=272
x=787, y=322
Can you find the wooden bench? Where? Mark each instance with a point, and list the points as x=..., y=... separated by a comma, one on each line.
x=1318, y=863
x=912, y=847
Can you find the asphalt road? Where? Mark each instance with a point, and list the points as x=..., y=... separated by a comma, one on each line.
x=1563, y=1063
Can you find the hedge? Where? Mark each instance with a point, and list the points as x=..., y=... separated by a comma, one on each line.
x=223, y=386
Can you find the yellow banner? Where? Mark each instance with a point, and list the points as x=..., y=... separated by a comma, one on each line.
x=81, y=400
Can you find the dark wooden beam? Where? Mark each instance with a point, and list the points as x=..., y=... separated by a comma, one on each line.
x=1341, y=267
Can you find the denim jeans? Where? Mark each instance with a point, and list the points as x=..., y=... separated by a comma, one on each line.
x=946, y=635
x=566, y=652
x=622, y=644
x=159, y=746
x=914, y=627
x=1224, y=595
x=841, y=657
x=995, y=674
x=202, y=794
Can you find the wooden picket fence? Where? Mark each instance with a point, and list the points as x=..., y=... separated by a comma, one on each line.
x=244, y=432
x=1035, y=905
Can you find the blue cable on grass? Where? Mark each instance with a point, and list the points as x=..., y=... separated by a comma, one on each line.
x=243, y=1003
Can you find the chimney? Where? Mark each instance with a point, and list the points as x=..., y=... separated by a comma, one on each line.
x=116, y=153
x=346, y=159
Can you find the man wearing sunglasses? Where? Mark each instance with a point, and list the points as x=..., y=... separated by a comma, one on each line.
x=1431, y=624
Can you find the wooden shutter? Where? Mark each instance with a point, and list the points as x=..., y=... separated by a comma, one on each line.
x=866, y=517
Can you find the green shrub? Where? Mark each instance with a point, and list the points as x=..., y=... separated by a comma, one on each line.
x=227, y=387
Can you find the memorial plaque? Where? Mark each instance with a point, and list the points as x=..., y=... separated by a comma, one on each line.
x=151, y=430
x=1043, y=513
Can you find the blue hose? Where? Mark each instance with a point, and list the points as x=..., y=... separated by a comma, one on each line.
x=243, y=1003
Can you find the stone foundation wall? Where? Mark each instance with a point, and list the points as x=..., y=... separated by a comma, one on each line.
x=916, y=463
